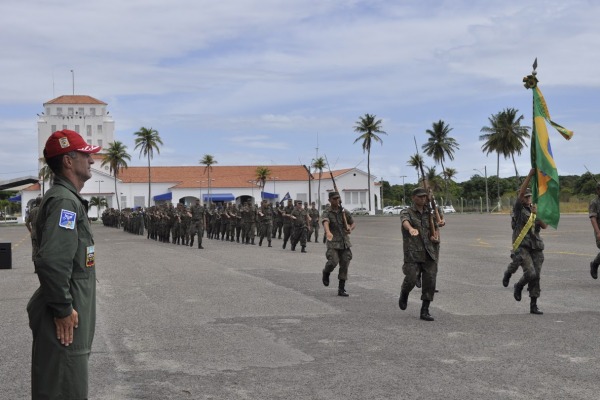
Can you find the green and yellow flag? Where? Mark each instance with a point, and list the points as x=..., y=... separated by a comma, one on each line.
x=545, y=187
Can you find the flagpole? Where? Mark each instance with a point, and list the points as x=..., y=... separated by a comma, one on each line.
x=530, y=82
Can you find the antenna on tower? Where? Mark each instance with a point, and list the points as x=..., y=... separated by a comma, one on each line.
x=317, y=148
x=73, y=80
x=53, y=91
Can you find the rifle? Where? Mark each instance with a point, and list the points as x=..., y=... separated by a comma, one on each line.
x=433, y=232
x=586, y=168
x=335, y=188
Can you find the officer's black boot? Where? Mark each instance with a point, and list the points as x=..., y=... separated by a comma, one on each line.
x=506, y=278
x=425, y=311
x=192, y=242
x=533, y=308
x=517, y=293
x=342, y=289
x=270, y=244
x=284, y=243
x=200, y=244
x=325, y=278
x=303, y=249
x=293, y=247
x=594, y=270
x=403, y=300
x=260, y=242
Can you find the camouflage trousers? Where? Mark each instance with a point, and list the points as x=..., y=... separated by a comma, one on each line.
x=597, y=259
x=531, y=261
x=266, y=229
x=428, y=271
x=315, y=230
x=300, y=234
x=196, y=227
x=341, y=257
x=287, y=232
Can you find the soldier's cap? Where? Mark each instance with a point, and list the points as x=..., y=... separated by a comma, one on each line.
x=298, y=202
x=419, y=192
x=62, y=142
x=528, y=192
x=334, y=194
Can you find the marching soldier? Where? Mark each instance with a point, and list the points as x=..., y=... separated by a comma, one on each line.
x=265, y=218
x=314, y=218
x=594, y=211
x=301, y=222
x=287, y=222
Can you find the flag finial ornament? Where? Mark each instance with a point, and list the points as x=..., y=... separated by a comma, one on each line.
x=530, y=81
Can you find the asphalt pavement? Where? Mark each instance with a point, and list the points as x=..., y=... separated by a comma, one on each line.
x=237, y=321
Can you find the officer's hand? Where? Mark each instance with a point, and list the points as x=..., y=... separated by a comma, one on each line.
x=65, y=326
x=329, y=236
x=413, y=232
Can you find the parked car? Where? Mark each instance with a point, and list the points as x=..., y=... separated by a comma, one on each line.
x=359, y=211
x=448, y=209
x=387, y=209
x=395, y=210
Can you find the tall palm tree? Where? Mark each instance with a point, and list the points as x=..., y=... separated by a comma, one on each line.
x=416, y=161
x=262, y=174
x=116, y=157
x=440, y=145
x=148, y=140
x=208, y=161
x=505, y=136
x=319, y=165
x=368, y=126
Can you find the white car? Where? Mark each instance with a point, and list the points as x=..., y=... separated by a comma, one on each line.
x=359, y=211
x=448, y=209
x=395, y=210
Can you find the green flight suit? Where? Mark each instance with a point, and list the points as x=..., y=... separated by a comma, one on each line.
x=65, y=266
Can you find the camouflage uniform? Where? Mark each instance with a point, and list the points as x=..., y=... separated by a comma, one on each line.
x=594, y=212
x=197, y=225
x=265, y=218
x=529, y=254
x=300, y=231
x=287, y=223
x=314, y=217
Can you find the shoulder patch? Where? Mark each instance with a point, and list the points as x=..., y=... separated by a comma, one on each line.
x=67, y=219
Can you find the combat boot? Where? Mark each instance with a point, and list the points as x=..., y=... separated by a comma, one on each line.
x=403, y=300
x=425, y=316
x=517, y=291
x=270, y=244
x=192, y=242
x=260, y=242
x=325, y=278
x=293, y=247
x=342, y=289
x=533, y=308
x=303, y=249
x=594, y=270
x=506, y=278
x=284, y=243
x=200, y=245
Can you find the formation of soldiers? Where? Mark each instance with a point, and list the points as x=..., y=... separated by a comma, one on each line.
x=183, y=225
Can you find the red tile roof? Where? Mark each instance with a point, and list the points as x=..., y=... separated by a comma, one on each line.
x=75, y=99
x=221, y=176
x=36, y=187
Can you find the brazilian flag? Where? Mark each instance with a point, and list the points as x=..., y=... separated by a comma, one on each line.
x=545, y=186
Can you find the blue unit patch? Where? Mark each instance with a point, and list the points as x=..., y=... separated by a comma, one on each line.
x=67, y=219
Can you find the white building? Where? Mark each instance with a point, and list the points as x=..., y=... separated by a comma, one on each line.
x=89, y=117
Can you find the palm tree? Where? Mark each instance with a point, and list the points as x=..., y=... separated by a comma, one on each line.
x=262, y=174
x=440, y=145
x=369, y=127
x=116, y=157
x=147, y=141
x=98, y=202
x=416, y=161
x=208, y=161
x=318, y=165
x=505, y=136
x=45, y=174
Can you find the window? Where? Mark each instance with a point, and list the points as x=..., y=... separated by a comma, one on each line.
x=123, y=202
x=53, y=128
x=355, y=198
x=47, y=110
x=302, y=196
x=99, y=129
x=88, y=128
x=139, y=201
x=70, y=111
x=93, y=112
x=100, y=142
x=363, y=197
x=77, y=128
x=348, y=197
x=58, y=110
x=80, y=111
x=64, y=127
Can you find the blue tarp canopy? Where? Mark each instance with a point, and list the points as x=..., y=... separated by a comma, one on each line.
x=15, y=199
x=218, y=197
x=267, y=195
x=163, y=197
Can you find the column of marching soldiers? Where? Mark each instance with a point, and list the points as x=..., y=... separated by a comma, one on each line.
x=184, y=225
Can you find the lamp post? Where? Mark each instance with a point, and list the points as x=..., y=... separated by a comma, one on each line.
x=403, y=190
x=99, y=181
x=487, y=199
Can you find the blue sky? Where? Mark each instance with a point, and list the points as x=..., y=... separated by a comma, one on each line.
x=267, y=82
